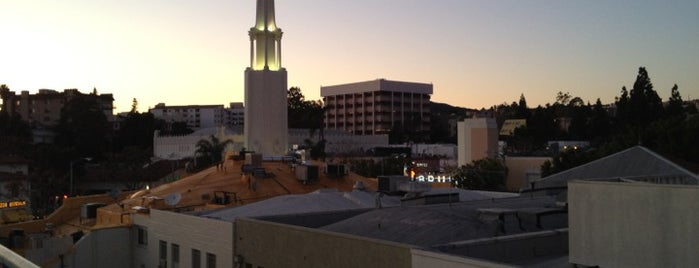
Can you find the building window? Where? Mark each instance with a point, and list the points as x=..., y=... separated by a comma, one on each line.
x=210, y=260
x=162, y=252
x=142, y=236
x=196, y=258
x=175, y=255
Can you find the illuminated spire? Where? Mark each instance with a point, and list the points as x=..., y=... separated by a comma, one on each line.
x=265, y=39
x=265, y=15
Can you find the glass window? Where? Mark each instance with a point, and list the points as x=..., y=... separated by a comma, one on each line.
x=175, y=255
x=196, y=258
x=142, y=234
x=162, y=252
x=210, y=260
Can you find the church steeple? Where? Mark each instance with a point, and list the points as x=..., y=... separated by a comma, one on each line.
x=265, y=39
x=266, y=125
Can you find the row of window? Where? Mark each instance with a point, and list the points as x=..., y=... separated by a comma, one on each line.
x=175, y=257
x=196, y=261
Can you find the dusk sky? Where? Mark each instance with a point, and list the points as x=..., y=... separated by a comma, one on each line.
x=476, y=53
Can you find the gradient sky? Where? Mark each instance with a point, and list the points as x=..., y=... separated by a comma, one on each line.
x=477, y=53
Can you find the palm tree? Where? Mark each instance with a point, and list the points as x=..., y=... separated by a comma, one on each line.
x=211, y=150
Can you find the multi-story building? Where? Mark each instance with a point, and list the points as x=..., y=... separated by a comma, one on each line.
x=477, y=139
x=375, y=107
x=201, y=116
x=44, y=108
x=235, y=114
x=196, y=116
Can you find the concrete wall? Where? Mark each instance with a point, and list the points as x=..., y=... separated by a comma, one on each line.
x=515, y=248
x=188, y=232
x=522, y=170
x=446, y=150
x=266, y=244
x=46, y=252
x=178, y=147
x=338, y=141
x=428, y=259
x=106, y=248
x=633, y=224
x=266, y=123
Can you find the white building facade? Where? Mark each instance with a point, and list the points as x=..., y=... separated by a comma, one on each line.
x=196, y=116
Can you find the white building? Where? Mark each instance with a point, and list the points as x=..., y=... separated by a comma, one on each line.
x=184, y=146
x=338, y=141
x=234, y=115
x=196, y=116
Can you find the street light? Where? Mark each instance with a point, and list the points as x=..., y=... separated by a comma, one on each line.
x=71, y=171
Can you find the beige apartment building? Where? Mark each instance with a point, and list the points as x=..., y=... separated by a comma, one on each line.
x=477, y=139
x=44, y=107
x=375, y=107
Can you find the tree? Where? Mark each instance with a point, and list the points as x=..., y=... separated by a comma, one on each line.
x=210, y=151
x=136, y=130
x=15, y=134
x=134, y=106
x=565, y=160
x=622, y=106
x=522, y=108
x=645, y=105
x=578, y=113
x=485, y=174
x=600, y=125
x=675, y=103
x=303, y=113
x=83, y=126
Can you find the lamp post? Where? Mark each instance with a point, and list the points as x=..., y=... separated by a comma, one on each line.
x=71, y=171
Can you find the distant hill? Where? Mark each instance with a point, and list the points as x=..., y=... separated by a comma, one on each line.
x=443, y=109
x=443, y=121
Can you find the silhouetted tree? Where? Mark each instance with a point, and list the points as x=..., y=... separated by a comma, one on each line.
x=484, y=174
x=675, y=103
x=210, y=151
x=83, y=126
x=303, y=113
x=645, y=105
x=15, y=134
x=578, y=114
x=136, y=130
x=522, y=110
x=599, y=128
x=134, y=106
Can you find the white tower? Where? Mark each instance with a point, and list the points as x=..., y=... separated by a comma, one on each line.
x=266, y=126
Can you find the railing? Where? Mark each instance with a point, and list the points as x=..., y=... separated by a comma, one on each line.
x=10, y=259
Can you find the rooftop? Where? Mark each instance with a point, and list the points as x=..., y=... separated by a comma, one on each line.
x=201, y=191
x=635, y=163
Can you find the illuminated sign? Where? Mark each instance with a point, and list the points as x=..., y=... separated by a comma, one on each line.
x=13, y=204
x=432, y=178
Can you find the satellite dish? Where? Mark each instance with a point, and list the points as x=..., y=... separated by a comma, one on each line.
x=173, y=198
